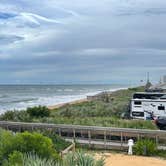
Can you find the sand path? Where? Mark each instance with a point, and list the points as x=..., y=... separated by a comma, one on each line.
x=125, y=160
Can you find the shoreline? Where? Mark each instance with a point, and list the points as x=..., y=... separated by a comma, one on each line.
x=67, y=103
x=84, y=98
x=56, y=106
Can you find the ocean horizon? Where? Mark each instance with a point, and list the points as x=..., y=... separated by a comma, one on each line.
x=19, y=97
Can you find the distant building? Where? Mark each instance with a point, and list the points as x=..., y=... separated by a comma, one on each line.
x=160, y=87
x=164, y=79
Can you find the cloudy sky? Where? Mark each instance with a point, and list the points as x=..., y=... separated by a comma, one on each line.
x=82, y=41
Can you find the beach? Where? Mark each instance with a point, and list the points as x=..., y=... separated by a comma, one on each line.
x=68, y=103
x=19, y=97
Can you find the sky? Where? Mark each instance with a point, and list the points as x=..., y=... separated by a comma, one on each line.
x=82, y=41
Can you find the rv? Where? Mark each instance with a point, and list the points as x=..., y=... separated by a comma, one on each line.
x=145, y=105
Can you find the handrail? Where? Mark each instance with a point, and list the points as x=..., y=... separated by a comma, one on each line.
x=92, y=128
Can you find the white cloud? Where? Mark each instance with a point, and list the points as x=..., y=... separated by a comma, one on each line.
x=87, y=36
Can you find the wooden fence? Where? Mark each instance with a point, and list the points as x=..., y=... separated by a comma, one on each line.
x=94, y=136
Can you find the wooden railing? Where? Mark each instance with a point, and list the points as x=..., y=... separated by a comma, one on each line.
x=68, y=149
x=92, y=135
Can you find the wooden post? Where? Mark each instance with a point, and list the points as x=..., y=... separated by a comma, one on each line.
x=59, y=130
x=105, y=139
x=81, y=133
x=74, y=134
x=74, y=146
x=157, y=140
x=138, y=137
x=20, y=129
x=121, y=139
x=89, y=137
x=110, y=136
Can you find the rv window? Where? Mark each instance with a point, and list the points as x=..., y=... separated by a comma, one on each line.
x=137, y=102
x=147, y=96
x=138, y=114
x=161, y=108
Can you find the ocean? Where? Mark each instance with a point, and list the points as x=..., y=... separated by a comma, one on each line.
x=18, y=97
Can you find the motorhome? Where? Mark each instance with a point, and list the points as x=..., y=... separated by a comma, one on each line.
x=144, y=105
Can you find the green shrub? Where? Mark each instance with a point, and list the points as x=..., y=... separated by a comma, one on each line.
x=35, y=160
x=15, y=159
x=145, y=147
x=81, y=159
x=26, y=142
x=71, y=159
x=161, y=153
x=59, y=143
x=37, y=143
x=40, y=111
x=16, y=116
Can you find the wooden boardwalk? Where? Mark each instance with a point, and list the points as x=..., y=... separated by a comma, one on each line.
x=106, y=137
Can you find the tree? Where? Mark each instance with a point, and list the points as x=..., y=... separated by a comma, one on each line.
x=40, y=111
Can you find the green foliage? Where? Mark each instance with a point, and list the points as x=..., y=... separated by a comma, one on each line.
x=71, y=159
x=26, y=142
x=59, y=143
x=110, y=105
x=35, y=160
x=145, y=147
x=15, y=159
x=103, y=121
x=81, y=159
x=15, y=116
x=161, y=153
x=35, y=142
x=40, y=111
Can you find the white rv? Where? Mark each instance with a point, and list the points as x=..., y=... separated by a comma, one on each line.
x=145, y=104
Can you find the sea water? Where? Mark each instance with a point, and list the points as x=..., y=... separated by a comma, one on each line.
x=18, y=97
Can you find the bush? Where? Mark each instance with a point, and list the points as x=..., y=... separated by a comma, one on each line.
x=59, y=143
x=15, y=116
x=15, y=159
x=26, y=142
x=71, y=159
x=145, y=147
x=80, y=158
x=34, y=160
x=40, y=111
x=161, y=153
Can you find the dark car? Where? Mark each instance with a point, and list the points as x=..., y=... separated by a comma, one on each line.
x=161, y=122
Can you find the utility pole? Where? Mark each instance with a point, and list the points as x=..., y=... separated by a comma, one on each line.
x=148, y=84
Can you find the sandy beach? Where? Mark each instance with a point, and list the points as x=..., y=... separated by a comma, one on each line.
x=80, y=100
x=112, y=159
x=68, y=103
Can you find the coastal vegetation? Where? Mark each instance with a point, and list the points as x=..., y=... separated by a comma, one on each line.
x=37, y=149
x=145, y=147
x=148, y=147
x=109, y=109
x=26, y=142
x=71, y=159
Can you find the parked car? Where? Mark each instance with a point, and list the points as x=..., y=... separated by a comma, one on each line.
x=161, y=122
